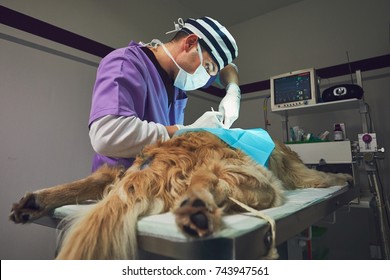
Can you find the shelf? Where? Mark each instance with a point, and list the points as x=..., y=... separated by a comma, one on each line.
x=321, y=107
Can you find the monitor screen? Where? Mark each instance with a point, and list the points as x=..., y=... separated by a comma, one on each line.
x=293, y=89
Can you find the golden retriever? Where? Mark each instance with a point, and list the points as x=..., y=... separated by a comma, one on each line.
x=193, y=175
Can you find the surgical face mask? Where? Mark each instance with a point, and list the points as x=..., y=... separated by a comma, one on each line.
x=187, y=81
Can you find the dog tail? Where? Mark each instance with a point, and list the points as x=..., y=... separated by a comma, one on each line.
x=107, y=230
x=294, y=174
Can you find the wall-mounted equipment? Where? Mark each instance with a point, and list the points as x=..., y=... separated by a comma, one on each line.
x=342, y=92
x=294, y=89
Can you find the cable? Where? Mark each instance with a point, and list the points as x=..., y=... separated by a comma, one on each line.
x=349, y=65
x=370, y=125
x=384, y=228
x=265, y=111
x=383, y=194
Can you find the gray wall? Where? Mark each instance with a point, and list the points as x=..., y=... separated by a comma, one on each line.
x=45, y=97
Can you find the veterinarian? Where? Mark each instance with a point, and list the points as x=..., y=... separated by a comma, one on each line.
x=140, y=91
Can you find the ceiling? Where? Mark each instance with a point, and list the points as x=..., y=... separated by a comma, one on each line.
x=144, y=15
x=233, y=12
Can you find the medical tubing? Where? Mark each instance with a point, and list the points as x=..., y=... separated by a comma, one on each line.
x=383, y=227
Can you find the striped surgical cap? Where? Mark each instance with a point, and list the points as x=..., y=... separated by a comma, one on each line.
x=215, y=38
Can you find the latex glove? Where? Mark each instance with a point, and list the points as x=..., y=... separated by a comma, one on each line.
x=209, y=119
x=230, y=105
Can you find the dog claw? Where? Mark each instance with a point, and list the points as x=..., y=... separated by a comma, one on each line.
x=26, y=210
x=25, y=217
x=191, y=232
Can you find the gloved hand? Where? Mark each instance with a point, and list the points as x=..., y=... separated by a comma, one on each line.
x=209, y=119
x=230, y=105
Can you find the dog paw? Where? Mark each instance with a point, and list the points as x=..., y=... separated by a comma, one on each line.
x=348, y=178
x=198, y=217
x=26, y=210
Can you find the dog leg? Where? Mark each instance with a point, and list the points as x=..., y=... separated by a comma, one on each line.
x=37, y=204
x=294, y=174
x=108, y=229
x=198, y=214
x=199, y=211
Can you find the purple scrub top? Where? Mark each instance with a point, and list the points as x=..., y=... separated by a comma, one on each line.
x=129, y=84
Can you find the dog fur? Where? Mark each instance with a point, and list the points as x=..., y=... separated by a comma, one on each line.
x=192, y=175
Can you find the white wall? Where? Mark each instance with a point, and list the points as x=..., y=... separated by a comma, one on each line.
x=312, y=33
x=43, y=128
x=113, y=23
